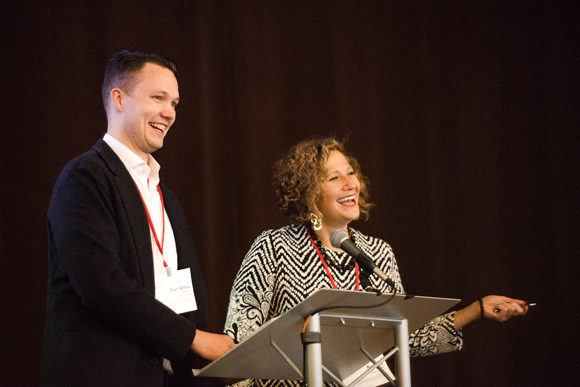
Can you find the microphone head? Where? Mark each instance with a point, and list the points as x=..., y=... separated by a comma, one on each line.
x=337, y=236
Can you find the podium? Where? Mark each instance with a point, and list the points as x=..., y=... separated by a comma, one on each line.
x=332, y=334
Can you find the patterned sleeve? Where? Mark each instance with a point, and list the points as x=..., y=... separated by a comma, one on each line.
x=437, y=336
x=252, y=290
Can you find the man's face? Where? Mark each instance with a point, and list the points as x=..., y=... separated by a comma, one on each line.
x=149, y=109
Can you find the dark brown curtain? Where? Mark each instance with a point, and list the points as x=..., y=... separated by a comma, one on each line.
x=463, y=114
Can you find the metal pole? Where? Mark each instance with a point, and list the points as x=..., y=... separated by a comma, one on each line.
x=403, y=366
x=312, y=352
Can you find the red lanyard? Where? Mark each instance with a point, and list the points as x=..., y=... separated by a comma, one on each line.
x=159, y=245
x=326, y=266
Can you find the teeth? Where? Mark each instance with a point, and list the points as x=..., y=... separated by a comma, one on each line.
x=346, y=198
x=158, y=126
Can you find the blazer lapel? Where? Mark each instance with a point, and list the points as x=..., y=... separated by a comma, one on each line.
x=134, y=212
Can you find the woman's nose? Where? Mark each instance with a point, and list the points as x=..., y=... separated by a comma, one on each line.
x=350, y=181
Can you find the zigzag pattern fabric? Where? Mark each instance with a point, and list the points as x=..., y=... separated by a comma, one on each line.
x=282, y=268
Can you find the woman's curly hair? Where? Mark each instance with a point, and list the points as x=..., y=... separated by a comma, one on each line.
x=299, y=175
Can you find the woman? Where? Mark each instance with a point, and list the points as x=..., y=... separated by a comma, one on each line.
x=322, y=189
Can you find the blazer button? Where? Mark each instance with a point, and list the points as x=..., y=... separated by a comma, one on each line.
x=154, y=360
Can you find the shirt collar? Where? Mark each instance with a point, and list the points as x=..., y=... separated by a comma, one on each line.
x=134, y=163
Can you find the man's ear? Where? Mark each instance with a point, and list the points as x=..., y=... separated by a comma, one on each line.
x=117, y=101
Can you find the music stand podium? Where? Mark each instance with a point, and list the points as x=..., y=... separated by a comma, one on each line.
x=337, y=340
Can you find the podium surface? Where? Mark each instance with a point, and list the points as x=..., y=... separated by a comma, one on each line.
x=270, y=351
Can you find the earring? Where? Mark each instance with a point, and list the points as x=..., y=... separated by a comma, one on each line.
x=315, y=221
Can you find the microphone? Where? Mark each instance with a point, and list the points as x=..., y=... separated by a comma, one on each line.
x=340, y=240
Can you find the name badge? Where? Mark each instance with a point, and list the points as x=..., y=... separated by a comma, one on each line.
x=176, y=291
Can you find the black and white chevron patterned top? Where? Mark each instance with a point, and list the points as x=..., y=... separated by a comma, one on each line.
x=282, y=268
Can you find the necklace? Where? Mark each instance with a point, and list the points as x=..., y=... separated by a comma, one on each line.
x=321, y=251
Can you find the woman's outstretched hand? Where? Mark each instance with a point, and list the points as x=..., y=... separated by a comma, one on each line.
x=496, y=308
x=500, y=308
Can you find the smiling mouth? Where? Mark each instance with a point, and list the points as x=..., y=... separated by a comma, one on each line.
x=347, y=199
x=158, y=126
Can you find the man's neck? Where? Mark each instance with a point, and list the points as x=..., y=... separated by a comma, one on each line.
x=123, y=140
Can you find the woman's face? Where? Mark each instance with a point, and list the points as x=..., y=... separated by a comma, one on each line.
x=338, y=202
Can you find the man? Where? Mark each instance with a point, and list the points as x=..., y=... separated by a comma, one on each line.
x=120, y=250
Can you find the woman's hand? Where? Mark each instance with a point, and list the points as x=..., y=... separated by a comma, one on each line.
x=497, y=308
x=501, y=308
